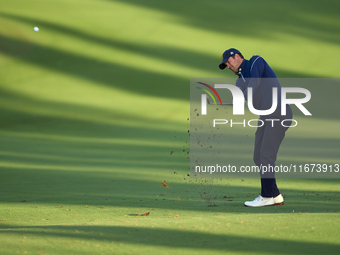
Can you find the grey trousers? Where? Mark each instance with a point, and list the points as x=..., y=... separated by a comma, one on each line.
x=268, y=139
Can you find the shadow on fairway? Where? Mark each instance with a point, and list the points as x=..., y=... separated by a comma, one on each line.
x=175, y=239
x=113, y=189
x=64, y=160
x=145, y=82
x=142, y=81
x=261, y=19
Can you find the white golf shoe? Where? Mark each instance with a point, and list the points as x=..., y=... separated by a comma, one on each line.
x=260, y=201
x=278, y=200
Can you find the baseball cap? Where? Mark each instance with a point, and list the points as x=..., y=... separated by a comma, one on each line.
x=226, y=55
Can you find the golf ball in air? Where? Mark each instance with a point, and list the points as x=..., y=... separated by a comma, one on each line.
x=36, y=29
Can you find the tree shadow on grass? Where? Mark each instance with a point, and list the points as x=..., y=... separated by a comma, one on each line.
x=20, y=112
x=116, y=185
x=54, y=159
x=145, y=82
x=262, y=19
x=184, y=239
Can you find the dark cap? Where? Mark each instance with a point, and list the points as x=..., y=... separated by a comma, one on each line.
x=226, y=55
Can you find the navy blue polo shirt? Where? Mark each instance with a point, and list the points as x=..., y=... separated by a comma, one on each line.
x=258, y=75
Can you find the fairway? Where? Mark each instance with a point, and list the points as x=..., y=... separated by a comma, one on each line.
x=95, y=127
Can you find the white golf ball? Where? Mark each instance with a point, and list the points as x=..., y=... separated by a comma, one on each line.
x=36, y=29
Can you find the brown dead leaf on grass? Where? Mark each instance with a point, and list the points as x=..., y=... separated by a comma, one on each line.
x=144, y=214
x=164, y=185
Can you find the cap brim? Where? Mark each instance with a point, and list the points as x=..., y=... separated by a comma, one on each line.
x=222, y=65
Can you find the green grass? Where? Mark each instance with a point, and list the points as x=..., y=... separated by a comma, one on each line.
x=93, y=117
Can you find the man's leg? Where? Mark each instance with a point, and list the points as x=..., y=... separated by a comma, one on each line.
x=258, y=144
x=271, y=141
x=267, y=142
x=268, y=185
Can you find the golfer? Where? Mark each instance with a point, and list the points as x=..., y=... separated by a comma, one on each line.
x=257, y=74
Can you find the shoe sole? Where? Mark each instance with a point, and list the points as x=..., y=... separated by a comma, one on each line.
x=282, y=203
x=259, y=206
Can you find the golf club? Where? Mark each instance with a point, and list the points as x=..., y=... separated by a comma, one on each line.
x=220, y=104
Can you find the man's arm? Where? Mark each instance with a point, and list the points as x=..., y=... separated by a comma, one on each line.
x=256, y=73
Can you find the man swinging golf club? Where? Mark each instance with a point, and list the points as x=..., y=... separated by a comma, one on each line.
x=257, y=74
